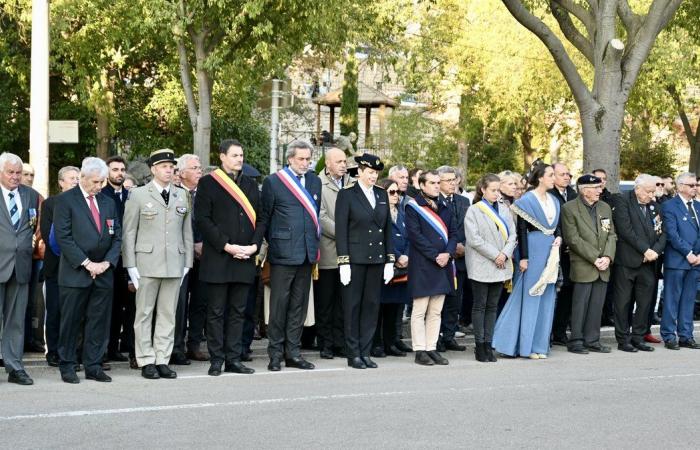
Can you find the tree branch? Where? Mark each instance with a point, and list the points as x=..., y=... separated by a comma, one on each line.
x=580, y=13
x=186, y=80
x=692, y=138
x=630, y=20
x=570, y=31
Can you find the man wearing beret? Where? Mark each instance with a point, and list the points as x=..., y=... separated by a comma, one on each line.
x=590, y=234
x=157, y=251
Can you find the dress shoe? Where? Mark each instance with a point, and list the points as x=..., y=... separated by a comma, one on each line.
x=534, y=356
x=20, y=377
x=98, y=376
x=339, y=352
x=116, y=356
x=480, y=352
x=326, y=353
x=149, y=371
x=454, y=346
x=598, y=348
x=52, y=359
x=578, y=349
x=402, y=346
x=440, y=346
x=423, y=359
x=378, y=352
x=275, y=365
x=133, y=364
x=166, y=372
x=238, y=367
x=437, y=358
x=247, y=356
x=642, y=346
x=197, y=355
x=356, y=363
x=542, y=356
x=78, y=367
x=490, y=354
x=393, y=351
x=2, y=362
x=179, y=359
x=369, y=363
x=215, y=368
x=627, y=347
x=33, y=347
x=650, y=338
x=70, y=378
x=299, y=363
x=689, y=343
x=672, y=345
x=560, y=340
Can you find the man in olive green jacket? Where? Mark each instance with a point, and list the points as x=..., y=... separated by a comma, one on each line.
x=590, y=234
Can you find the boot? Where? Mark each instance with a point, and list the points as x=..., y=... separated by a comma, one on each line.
x=489, y=352
x=480, y=352
x=423, y=359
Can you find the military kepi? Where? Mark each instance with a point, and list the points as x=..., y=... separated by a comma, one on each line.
x=588, y=179
x=161, y=156
x=371, y=161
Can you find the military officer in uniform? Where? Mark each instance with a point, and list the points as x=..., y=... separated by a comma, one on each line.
x=157, y=251
x=365, y=256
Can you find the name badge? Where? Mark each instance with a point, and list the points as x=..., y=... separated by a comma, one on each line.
x=181, y=209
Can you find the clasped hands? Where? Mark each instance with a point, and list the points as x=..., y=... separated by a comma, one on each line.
x=694, y=260
x=96, y=268
x=650, y=255
x=602, y=263
x=241, y=251
x=442, y=259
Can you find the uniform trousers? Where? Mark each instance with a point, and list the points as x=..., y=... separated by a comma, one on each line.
x=586, y=308
x=155, y=296
x=328, y=308
x=627, y=281
x=289, y=301
x=361, y=308
x=680, y=289
x=225, y=315
x=425, y=322
x=13, y=306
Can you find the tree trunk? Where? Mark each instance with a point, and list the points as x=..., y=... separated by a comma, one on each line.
x=601, y=142
x=526, y=141
x=104, y=136
x=202, y=135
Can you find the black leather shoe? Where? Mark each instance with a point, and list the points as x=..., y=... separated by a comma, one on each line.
x=627, y=347
x=641, y=345
x=247, y=356
x=454, y=346
x=197, y=355
x=215, y=368
x=52, y=359
x=598, y=348
x=165, y=372
x=20, y=377
x=33, y=347
x=133, y=364
x=578, y=349
x=369, y=363
x=98, y=376
x=490, y=353
x=149, y=371
x=423, y=359
x=672, y=345
x=357, y=363
x=438, y=358
x=238, y=367
x=70, y=378
x=402, y=346
x=393, y=351
x=275, y=365
x=299, y=363
x=690, y=343
x=560, y=340
x=378, y=352
x=326, y=353
x=440, y=347
x=179, y=359
x=116, y=356
x=2, y=362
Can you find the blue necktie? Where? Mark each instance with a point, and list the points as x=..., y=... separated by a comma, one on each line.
x=14, y=211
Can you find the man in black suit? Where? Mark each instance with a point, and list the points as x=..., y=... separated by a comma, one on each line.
x=67, y=179
x=88, y=232
x=290, y=215
x=226, y=213
x=562, y=312
x=641, y=241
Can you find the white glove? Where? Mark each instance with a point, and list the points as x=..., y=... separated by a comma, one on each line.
x=344, y=274
x=388, y=272
x=134, y=276
x=184, y=274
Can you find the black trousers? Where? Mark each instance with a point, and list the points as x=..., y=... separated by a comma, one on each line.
x=289, y=300
x=249, y=316
x=328, y=308
x=586, y=306
x=467, y=301
x=451, y=309
x=90, y=306
x=361, y=308
x=562, y=311
x=225, y=315
x=196, y=309
x=633, y=286
x=486, y=297
x=52, y=323
x=121, y=330
x=385, y=334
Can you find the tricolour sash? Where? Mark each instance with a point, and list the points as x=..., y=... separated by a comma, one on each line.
x=292, y=183
x=234, y=191
x=437, y=224
x=492, y=214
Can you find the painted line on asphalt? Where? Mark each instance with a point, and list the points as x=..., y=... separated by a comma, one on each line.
x=283, y=372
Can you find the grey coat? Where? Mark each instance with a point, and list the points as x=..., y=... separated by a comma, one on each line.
x=485, y=242
x=16, y=246
x=329, y=194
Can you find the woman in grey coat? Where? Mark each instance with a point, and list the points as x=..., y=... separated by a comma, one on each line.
x=491, y=239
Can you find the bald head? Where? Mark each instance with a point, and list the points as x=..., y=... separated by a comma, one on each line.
x=336, y=163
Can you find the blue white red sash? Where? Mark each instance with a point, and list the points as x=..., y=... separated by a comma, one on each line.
x=437, y=224
x=292, y=183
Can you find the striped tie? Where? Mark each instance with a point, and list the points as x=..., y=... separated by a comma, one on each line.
x=14, y=211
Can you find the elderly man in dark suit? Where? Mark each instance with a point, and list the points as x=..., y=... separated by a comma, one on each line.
x=640, y=243
x=590, y=234
x=290, y=215
x=18, y=222
x=88, y=232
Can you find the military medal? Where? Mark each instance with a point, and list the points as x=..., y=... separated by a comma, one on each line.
x=110, y=226
x=605, y=224
x=32, y=216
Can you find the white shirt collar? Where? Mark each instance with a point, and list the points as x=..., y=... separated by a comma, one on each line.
x=160, y=188
x=85, y=194
x=6, y=191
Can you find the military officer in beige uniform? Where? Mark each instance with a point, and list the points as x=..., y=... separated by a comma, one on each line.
x=157, y=252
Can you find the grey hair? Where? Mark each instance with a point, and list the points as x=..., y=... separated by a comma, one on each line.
x=443, y=170
x=396, y=168
x=94, y=166
x=9, y=158
x=645, y=178
x=296, y=145
x=184, y=159
x=331, y=148
x=64, y=170
x=679, y=178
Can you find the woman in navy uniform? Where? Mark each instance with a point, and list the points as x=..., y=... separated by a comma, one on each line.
x=365, y=255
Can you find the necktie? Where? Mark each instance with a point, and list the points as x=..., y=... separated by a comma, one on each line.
x=691, y=210
x=95, y=213
x=563, y=194
x=166, y=196
x=14, y=211
x=644, y=210
x=193, y=192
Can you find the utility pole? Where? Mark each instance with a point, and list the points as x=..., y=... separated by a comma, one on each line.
x=276, y=94
x=39, y=100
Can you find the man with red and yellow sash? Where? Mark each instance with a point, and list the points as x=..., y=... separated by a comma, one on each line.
x=226, y=216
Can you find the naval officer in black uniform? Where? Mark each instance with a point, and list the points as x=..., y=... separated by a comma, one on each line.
x=365, y=256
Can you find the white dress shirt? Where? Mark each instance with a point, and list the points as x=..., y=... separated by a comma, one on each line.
x=369, y=193
x=18, y=200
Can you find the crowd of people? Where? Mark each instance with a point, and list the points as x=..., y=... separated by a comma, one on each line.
x=149, y=274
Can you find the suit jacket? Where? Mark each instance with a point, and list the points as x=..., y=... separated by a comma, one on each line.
x=51, y=259
x=565, y=260
x=77, y=235
x=682, y=236
x=399, y=235
x=108, y=190
x=363, y=233
x=636, y=232
x=222, y=220
x=586, y=242
x=459, y=207
x=425, y=277
x=570, y=195
x=485, y=242
x=157, y=237
x=329, y=194
x=16, y=246
x=289, y=229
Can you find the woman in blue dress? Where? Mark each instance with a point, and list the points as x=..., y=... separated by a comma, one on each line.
x=524, y=326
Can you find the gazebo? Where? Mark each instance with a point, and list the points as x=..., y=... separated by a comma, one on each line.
x=368, y=98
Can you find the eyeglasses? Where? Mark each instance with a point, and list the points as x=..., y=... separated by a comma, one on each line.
x=393, y=192
x=659, y=184
x=690, y=185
